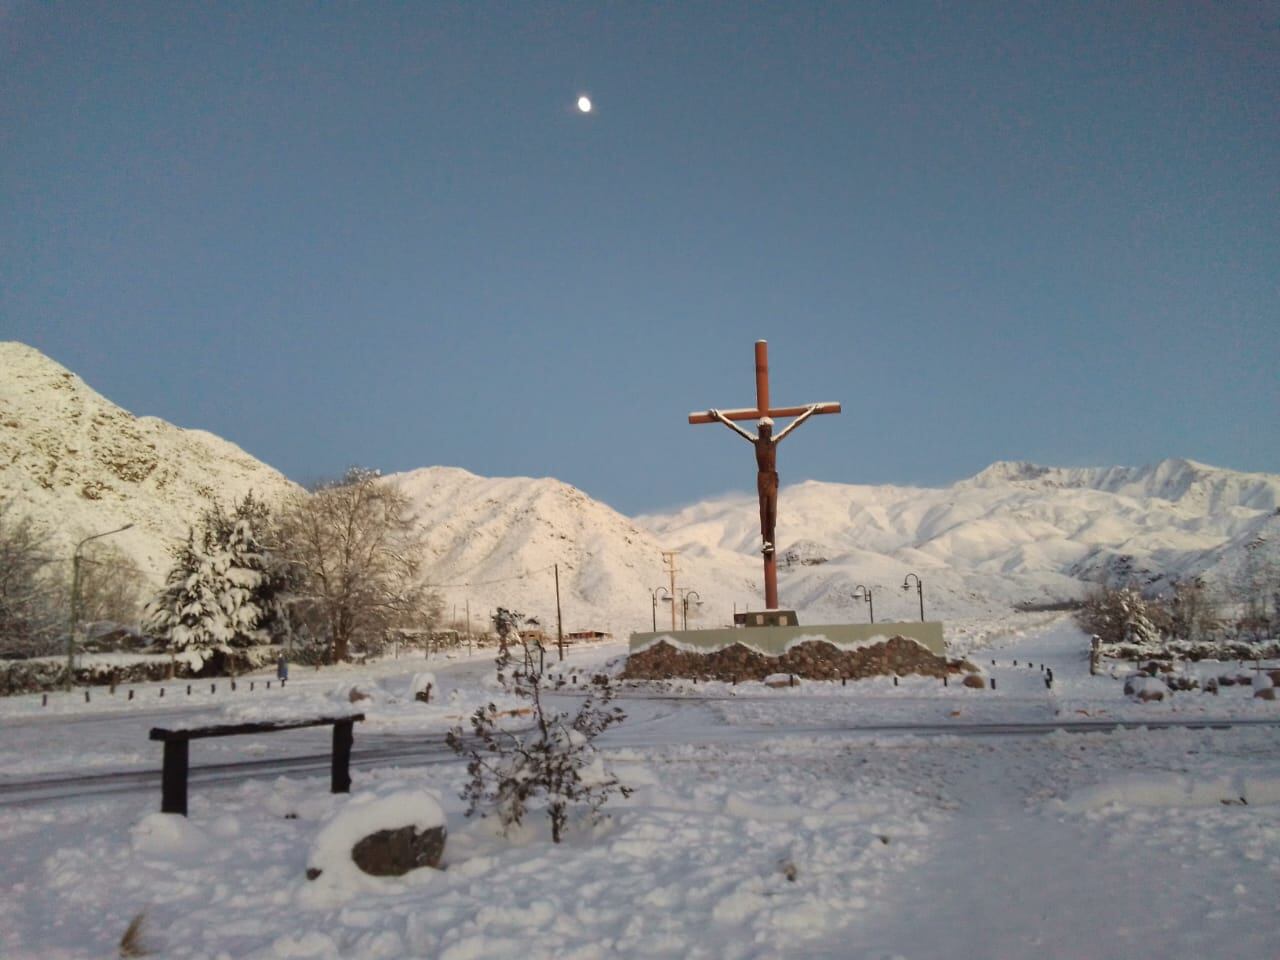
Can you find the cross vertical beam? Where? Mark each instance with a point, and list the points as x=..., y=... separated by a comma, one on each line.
x=765, y=443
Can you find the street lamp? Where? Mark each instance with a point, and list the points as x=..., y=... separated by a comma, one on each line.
x=653, y=596
x=865, y=595
x=685, y=603
x=919, y=590
x=75, y=597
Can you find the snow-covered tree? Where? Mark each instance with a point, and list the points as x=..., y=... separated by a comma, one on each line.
x=224, y=589
x=1120, y=616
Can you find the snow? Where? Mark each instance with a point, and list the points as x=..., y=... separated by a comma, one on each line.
x=763, y=823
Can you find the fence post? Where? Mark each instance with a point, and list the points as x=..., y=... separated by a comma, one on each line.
x=340, y=775
x=173, y=779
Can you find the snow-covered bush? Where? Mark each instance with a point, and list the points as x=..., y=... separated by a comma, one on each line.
x=554, y=760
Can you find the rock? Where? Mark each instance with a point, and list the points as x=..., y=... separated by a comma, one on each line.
x=811, y=660
x=1146, y=696
x=393, y=853
x=777, y=680
x=1265, y=693
x=974, y=681
x=357, y=695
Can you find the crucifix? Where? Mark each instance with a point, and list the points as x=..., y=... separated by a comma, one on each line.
x=766, y=445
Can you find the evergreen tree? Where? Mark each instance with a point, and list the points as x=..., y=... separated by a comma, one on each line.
x=182, y=616
x=225, y=588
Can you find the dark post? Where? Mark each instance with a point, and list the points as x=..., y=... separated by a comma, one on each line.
x=173, y=783
x=340, y=776
x=559, y=628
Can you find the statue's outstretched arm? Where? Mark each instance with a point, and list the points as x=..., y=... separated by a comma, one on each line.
x=795, y=423
x=732, y=426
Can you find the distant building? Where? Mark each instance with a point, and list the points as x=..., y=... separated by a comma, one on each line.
x=588, y=636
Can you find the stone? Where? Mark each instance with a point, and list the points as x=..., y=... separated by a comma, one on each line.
x=974, y=682
x=393, y=853
x=356, y=695
x=811, y=660
x=1266, y=693
x=1146, y=696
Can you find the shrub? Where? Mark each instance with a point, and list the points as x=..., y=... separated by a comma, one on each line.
x=555, y=759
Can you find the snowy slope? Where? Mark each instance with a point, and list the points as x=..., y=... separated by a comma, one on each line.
x=493, y=542
x=1014, y=533
x=78, y=464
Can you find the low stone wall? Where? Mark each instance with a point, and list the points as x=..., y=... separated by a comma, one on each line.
x=811, y=659
x=775, y=641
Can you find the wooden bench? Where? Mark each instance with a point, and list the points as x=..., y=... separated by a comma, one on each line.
x=173, y=783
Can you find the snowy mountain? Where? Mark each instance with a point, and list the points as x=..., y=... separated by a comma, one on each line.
x=1014, y=533
x=78, y=464
x=494, y=542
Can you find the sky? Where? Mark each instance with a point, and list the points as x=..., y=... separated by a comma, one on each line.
x=382, y=234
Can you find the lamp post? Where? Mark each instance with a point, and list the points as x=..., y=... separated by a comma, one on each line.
x=919, y=590
x=684, y=601
x=653, y=596
x=75, y=597
x=865, y=594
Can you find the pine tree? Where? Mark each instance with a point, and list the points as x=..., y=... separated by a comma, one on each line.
x=225, y=588
x=182, y=616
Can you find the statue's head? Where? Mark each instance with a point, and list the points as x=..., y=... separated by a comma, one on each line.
x=764, y=427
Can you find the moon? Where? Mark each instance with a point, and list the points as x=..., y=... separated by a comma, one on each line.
x=584, y=104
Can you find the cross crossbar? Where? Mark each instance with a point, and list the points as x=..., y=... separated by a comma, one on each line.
x=751, y=413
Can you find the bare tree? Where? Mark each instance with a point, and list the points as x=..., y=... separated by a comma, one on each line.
x=111, y=586
x=355, y=551
x=31, y=616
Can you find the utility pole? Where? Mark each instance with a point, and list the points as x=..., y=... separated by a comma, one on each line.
x=669, y=558
x=559, y=628
x=468, y=626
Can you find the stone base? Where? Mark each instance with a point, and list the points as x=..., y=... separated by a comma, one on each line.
x=811, y=660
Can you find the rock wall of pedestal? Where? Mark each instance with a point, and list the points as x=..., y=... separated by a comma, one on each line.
x=810, y=659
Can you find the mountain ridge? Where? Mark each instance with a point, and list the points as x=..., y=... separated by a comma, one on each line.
x=1014, y=532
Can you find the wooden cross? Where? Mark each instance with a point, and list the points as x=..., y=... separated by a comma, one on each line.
x=766, y=456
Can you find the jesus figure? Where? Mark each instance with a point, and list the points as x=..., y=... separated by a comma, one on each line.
x=766, y=445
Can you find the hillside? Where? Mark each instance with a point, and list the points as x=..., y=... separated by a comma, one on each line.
x=494, y=541
x=78, y=464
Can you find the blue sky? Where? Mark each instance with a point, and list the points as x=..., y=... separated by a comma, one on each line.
x=381, y=234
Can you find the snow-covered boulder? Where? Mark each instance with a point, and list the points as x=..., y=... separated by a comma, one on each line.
x=1144, y=688
x=374, y=837
x=423, y=685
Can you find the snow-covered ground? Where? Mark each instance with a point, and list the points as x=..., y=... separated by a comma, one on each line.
x=764, y=823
